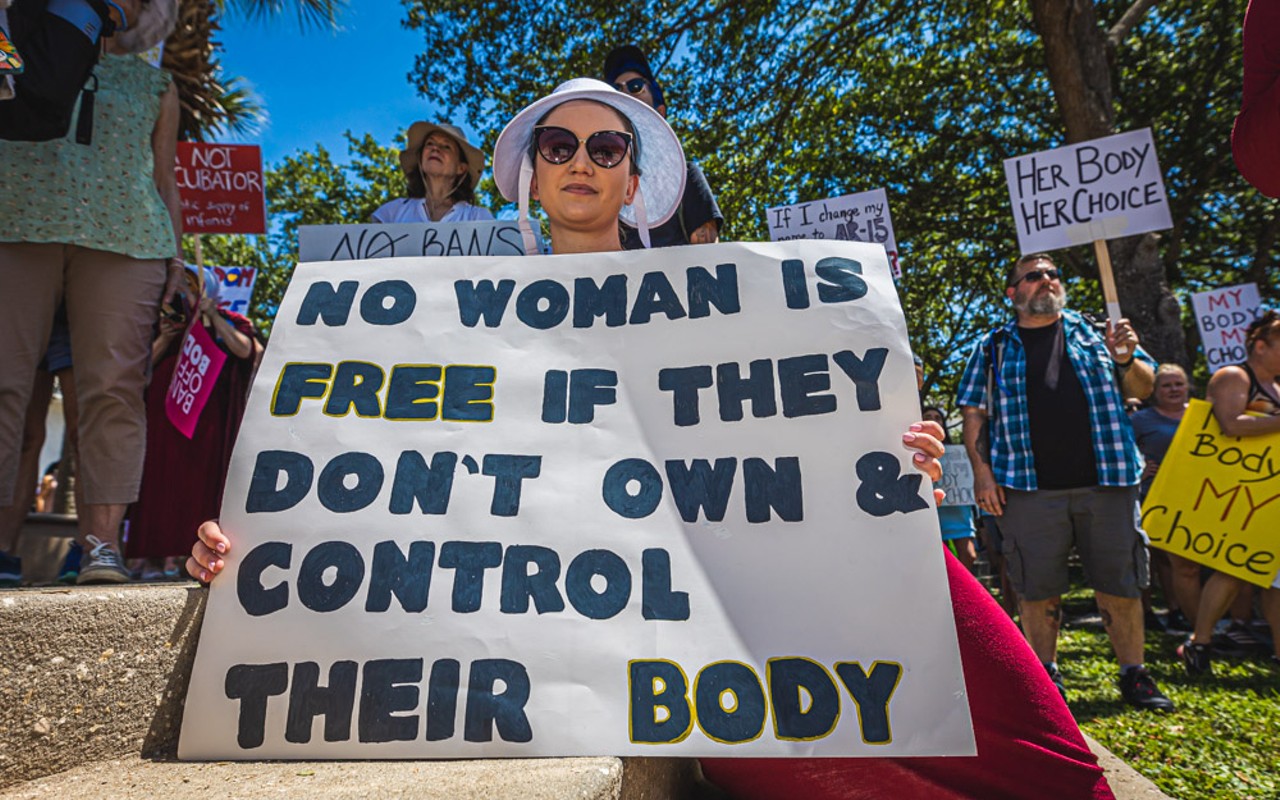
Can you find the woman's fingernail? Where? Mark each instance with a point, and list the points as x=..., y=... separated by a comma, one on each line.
x=918, y=458
x=204, y=576
x=221, y=548
x=908, y=437
x=916, y=426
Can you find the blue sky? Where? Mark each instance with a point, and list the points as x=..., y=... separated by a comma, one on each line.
x=317, y=83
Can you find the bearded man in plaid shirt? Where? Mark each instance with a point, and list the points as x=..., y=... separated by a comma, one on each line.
x=1055, y=460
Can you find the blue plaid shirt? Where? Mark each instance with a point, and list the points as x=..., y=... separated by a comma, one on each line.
x=1119, y=462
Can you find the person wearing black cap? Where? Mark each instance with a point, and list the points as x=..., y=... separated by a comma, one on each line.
x=698, y=220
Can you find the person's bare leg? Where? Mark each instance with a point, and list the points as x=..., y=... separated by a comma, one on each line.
x=1216, y=597
x=967, y=553
x=1041, y=620
x=1122, y=617
x=1242, y=606
x=1270, y=605
x=1163, y=571
x=12, y=516
x=1186, y=585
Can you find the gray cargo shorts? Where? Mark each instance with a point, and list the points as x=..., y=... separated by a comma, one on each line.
x=1101, y=522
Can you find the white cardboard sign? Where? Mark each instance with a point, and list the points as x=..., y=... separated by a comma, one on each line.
x=1223, y=315
x=616, y=503
x=405, y=239
x=862, y=217
x=1101, y=189
x=957, y=477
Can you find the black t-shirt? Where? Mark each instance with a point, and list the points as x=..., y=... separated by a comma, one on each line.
x=1061, y=436
x=697, y=208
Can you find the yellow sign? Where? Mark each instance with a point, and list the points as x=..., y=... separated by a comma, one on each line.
x=1216, y=498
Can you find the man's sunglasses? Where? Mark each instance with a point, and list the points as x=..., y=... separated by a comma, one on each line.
x=633, y=86
x=558, y=145
x=1037, y=275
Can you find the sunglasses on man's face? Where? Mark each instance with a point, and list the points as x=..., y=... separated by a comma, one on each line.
x=558, y=145
x=1037, y=275
x=633, y=86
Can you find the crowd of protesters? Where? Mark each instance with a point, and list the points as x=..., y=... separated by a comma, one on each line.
x=91, y=264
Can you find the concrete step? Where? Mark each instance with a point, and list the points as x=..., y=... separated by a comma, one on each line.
x=42, y=544
x=92, y=683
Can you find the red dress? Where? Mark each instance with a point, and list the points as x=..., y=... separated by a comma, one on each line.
x=1029, y=745
x=182, y=478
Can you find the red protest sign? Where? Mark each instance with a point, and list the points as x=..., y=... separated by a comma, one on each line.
x=221, y=187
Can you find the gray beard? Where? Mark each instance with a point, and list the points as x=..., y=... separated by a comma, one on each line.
x=1043, y=305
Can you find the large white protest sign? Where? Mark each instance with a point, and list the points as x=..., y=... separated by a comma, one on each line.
x=404, y=239
x=1223, y=315
x=862, y=217
x=957, y=477
x=235, y=287
x=1101, y=189
x=648, y=503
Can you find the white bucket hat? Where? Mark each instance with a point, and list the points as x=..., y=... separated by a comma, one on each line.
x=661, y=159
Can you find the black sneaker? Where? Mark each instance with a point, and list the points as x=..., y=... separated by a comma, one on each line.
x=1139, y=690
x=1151, y=621
x=10, y=570
x=1196, y=658
x=1056, y=677
x=1175, y=622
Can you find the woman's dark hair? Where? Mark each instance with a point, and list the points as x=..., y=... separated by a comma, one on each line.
x=464, y=192
x=626, y=123
x=1262, y=329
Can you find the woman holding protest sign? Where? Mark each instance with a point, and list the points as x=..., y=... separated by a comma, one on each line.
x=441, y=169
x=185, y=468
x=593, y=157
x=1246, y=402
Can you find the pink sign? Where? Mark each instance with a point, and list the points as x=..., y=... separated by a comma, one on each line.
x=193, y=378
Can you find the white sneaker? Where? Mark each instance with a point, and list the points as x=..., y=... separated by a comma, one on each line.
x=102, y=564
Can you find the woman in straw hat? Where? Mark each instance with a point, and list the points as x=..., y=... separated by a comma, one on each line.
x=592, y=156
x=442, y=169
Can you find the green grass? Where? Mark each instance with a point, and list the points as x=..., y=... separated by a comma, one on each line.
x=1222, y=742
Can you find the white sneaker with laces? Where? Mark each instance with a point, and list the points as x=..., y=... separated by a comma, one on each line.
x=102, y=564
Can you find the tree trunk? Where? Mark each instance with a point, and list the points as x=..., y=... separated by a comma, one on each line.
x=1075, y=47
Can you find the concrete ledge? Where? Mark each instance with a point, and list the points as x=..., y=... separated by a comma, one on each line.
x=526, y=779
x=92, y=684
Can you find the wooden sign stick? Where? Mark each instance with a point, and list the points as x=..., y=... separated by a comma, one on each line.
x=1108, y=284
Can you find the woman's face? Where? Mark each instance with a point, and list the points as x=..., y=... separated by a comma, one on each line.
x=580, y=195
x=1171, y=390
x=441, y=157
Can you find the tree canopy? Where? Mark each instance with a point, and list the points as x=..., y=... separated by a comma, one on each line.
x=791, y=101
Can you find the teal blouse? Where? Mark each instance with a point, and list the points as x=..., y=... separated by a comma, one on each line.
x=103, y=195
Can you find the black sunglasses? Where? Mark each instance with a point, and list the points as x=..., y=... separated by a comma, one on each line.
x=633, y=86
x=558, y=145
x=1037, y=275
